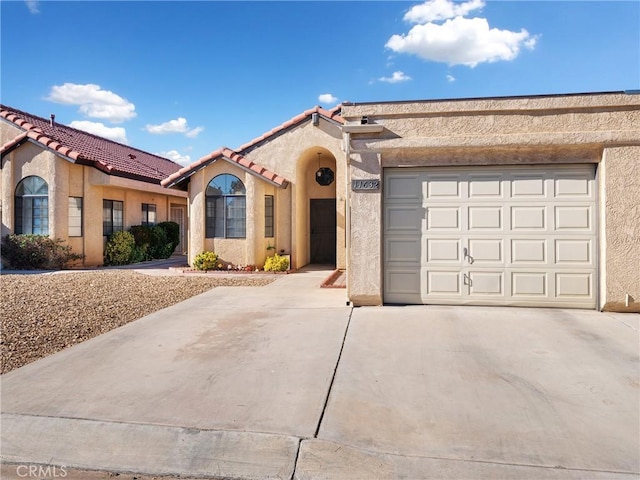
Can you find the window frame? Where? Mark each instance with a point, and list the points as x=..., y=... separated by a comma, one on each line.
x=109, y=226
x=31, y=210
x=146, y=211
x=78, y=208
x=226, y=209
x=269, y=216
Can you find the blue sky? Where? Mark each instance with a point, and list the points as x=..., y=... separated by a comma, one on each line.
x=182, y=79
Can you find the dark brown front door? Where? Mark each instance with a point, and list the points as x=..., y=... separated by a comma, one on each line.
x=323, y=230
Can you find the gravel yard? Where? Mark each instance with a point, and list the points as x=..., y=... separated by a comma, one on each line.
x=45, y=313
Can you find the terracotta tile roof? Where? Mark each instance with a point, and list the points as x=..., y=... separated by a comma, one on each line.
x=237, y=156
x=85, y=148
x=229, y=155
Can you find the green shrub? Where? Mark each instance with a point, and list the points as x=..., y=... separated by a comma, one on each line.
x=120, y=249
x=173, y=234
x=205, y=261
x=276, y=263
x=36, y=252
x=142, y=236
x=159, y=247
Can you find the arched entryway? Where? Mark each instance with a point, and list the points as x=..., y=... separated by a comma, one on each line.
x=319, y=214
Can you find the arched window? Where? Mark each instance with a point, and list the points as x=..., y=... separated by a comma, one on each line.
x=226, y=214
x=32, y=206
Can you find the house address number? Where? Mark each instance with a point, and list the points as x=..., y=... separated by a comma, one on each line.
x=365, y=184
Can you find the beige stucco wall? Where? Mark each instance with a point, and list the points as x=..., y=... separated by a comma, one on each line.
x=66, y=179
x=619, y=176
x=540, y=130
x=293, y=155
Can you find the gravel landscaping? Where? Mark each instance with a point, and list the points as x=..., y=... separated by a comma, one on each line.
x=45, y=313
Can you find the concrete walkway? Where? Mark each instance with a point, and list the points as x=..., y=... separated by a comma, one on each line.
x=286, y=381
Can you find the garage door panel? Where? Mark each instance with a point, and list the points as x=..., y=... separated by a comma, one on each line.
x=403, y=188
x=403, y=281
x=485, y=186
x=528, y=185
x=528, y=284
x=527, y=251
x=573, y=217
x=574, y=251
x=443, y=186
x=485, y=250
x=574, y=285
x=405, y=249
x=443, y=250
x=403, y=219
x=444, y=282
x=485, y=218
x=508, y=235
x=483, y=283
x=443, y=218
x=529, y=218
x=573, y=185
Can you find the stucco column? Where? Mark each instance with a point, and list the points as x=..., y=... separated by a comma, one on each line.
x=619, y=178
x=365, y=256
x=254, y=194
x=8, y=188
x=92, y=220
x=60, y=199
x=197, y=220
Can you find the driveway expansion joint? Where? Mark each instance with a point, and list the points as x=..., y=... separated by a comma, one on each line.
x=333, y=376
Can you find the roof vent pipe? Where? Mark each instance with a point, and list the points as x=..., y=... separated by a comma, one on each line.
x=53, y=119
x=315, y=119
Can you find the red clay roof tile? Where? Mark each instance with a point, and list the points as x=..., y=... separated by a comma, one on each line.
x=111, y=157
x=230, y=156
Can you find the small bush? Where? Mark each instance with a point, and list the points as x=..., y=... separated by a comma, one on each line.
x=120, y=249
x=205, y=261
x=36, y=252
x=142, y=236
x=160, y=246
x=276, y=263
x=173, y=234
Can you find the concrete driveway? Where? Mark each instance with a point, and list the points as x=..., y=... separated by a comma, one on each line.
x=286, y=381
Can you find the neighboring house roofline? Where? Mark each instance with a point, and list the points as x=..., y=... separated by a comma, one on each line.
x=237, y=156
x=84, y=148
x=232, y=157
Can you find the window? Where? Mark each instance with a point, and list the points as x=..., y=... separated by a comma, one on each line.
x=32, y=206
x=148, y=214
x=75, y=216
x=112, y=218
x=226, y=207
x=268, y=216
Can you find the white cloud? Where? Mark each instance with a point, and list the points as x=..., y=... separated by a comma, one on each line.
x=176, y=157
x=458, y=40
x=195, y=132
x=451, y=78
x=94, y=102
x=179, y=125
x=434, y=10
x=396, y=78
x=327, y=99
x=117, y=134
x=33, y=6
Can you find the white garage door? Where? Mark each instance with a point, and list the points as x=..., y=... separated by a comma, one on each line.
x=490, y=236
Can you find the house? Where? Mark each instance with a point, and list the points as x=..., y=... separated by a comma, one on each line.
x=519, y=201
x=72, y=185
